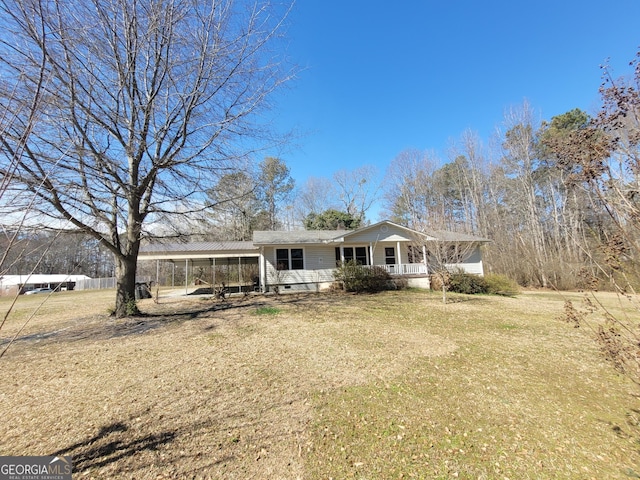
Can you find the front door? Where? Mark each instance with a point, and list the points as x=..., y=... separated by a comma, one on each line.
x=390, y=256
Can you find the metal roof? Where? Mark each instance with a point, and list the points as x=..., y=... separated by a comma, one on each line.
x=197, y=247
x=296, y=237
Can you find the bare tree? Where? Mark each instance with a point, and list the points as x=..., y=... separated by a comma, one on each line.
x=14, y=112
x=235, y=208
x=315, y=196
x=145, y=104
x=357, y=190
x=407, y=184
x=274, y=186
x=521, y=162
x=472, y=179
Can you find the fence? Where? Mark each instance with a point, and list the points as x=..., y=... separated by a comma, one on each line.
x=103, y=283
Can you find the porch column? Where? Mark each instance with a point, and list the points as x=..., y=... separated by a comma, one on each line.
x=399, y=258
x=341, y=253
x=370, y=253
x=424, y=259
x=263, y=271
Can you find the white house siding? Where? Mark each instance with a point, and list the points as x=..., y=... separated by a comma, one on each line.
x=319, y=265
x=319, y=257
x=473, y=264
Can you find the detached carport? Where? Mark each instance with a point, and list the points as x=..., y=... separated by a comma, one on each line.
x=232, y=264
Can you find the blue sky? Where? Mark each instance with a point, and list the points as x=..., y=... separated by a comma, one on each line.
x=381, y=77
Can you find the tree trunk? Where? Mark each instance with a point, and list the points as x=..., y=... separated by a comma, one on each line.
x=126, y=286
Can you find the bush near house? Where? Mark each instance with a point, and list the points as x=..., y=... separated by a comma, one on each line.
x=359, y=278
x=501, y=285
x=467, y=283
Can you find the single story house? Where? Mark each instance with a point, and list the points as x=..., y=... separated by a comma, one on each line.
x=306, y=259
x=12, y=284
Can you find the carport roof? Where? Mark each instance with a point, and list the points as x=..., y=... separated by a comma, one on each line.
x=200, y=247
x=197, y=250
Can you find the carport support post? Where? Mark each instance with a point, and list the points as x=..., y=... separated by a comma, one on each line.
x=186, y=276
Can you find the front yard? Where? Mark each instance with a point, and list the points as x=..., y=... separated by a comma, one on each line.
x=395, y=385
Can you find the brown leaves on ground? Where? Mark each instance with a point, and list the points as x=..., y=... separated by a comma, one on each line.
x=315, y=386
x=194, y=389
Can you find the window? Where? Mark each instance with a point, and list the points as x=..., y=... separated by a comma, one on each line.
x=282, y=259
x=289, y=259
x=389, y=256
x=359, y=254
x=297, y=262
x=348, y=254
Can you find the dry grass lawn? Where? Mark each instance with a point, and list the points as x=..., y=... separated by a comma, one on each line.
x=395, y=385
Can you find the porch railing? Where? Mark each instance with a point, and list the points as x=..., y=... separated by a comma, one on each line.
x=405, y=269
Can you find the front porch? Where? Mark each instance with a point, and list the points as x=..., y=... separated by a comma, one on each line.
x=397, y=258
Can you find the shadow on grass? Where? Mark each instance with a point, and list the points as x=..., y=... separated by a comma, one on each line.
x=107, y=447
x=119, y=447
x=108, y=328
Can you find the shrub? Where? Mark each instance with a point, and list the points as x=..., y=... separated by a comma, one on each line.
x=467, y=283
x=501, y=285
x=359, y=278
x=437, y=279
x=399, y=283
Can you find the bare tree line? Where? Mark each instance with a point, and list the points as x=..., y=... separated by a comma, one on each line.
x=551, y=195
